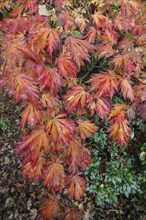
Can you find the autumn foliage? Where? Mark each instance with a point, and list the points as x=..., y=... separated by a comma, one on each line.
x=49, y=65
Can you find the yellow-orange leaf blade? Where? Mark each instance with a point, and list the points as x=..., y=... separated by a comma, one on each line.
x=86, y=128
x=60, y=127
x=54, y=176
x=127, y=90
x=105, y=83
x=76, y=186
x=76, y=99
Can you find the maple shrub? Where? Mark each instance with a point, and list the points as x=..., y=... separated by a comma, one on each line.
x=66, y=63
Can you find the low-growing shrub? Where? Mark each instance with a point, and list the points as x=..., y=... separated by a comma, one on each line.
x=77, y=70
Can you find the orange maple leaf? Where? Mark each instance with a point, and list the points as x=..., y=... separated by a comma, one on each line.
x=49, y=208
x=30, y=116
x=79, y=49
x=118, y=108
x=66, y=67
x=123, y=63
x=51, y=79
x=36, y=142
x=76, y=99
x=60, y=127
x=22, y=86
x=4, y=5
x=123, y=23
x=54, y=176
x=127, y=90
x=30, y=5
x=76, y=186
x=100, y=20
x=86, y=128
x=81, y=22
x=32, y=170
x=91, y=35
x=140, y=93
x=72, y=154
x=51, y=102
x=100, y=106
x=47, y=37
x=67, y=20
x=76, y=155
x=119, y=129
x=105, y=83
x=105, y=50
x=28, y=52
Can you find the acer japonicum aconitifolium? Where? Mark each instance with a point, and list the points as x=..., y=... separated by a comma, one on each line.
x=43, y=59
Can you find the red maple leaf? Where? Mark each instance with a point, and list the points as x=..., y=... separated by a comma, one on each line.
x=99, y=106
x=49, y=78
x=76, y=99
x=76, y=186
x=60, y=127
x=86, y=128
x=66, y=67
x=76, y=155
x=127, y=89
x=119, y=129
x=54, y=176
x=79, y=49
x=105, y=83
x=30, y=116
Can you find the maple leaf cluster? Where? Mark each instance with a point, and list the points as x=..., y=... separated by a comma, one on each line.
x=42, y=66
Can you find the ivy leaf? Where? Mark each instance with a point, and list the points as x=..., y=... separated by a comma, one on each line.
x=76, y=186
x=49, y=208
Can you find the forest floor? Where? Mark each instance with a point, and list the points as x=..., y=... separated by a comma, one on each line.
x=19, y=198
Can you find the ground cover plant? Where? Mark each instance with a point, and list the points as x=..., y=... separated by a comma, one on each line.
x=77, y=70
